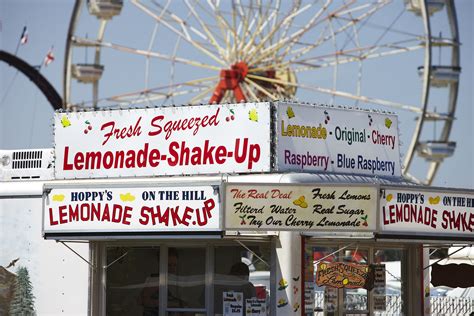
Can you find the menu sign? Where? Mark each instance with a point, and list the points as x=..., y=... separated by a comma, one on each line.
x=427, y=211
x=233, y=303
x=128, y=210
x=327, y=139
x=341, y=275
x=163, y=141
x=380, y=299
x=255, y=307
x=300, y=207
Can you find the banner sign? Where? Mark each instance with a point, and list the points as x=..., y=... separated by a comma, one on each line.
x=128, y=210
x=163, y=141
x=421, y=211
x=326, y=139
x=300, y=207
x=341, y=275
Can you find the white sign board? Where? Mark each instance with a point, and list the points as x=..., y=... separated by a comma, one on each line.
x=300, y=207
x=255, y=307
x=131, y=210
x=326, y=139
x=233, y=303
x=421, y=211
x=163, y=141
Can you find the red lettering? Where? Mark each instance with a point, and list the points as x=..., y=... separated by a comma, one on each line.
x=109, y=133
x=52, y=222
x=187, y=215
x=66, y=165
x=62, y=214
x=174, y=215
x=154, y=123
x=121, y=133
x=144, y=215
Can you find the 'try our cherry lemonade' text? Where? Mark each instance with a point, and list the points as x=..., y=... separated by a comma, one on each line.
x=300, y=207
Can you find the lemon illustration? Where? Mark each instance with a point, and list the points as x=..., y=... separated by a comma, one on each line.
x=253, y=115
x=289, y=112
x=65, y=121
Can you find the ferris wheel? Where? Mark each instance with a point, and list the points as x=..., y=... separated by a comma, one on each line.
x=391, y=55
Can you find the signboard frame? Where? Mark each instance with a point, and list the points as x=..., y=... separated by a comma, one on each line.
x=375, y=222
x=317, y=149
x=418, y=233
x=104, y=234
x=163, y=141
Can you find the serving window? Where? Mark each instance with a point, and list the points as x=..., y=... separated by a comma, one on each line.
x=354, y=280
x=189, y=279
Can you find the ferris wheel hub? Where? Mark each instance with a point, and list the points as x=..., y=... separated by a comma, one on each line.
x=230, y=80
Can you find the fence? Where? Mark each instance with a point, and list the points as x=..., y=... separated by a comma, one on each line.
x=440, y=305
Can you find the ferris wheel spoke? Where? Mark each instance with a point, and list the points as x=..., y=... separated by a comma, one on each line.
x=271, y=49
x=249, y=91
x=202, y=95
x=350, y=55
x=154, y=94
x=146, y=53
x=201, y=83
x=350, y=23
x=182, y=24
x=205, y=28
x=260, y=88
x=335, y=59
x=340, y=93
x=250, y=43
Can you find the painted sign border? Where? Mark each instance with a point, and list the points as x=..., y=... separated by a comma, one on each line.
x=439, y=234
x=94, y=234
x=151, y=142
x=278, y=139
x=373, y=210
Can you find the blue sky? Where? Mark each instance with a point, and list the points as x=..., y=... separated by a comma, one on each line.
x=26, y=118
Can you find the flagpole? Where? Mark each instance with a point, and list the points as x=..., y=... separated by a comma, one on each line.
x=24, y=33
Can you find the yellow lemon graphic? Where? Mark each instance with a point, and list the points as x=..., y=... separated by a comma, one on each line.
x=65, y=121
x=283, y=284
x=253, y=115
x=434, y=200
x=345, y=281
x=388, y=122
x=58, y=197
x=289, y=112
x=389, y=197
x=301, y=201
x=127, y=197
x=282, y=302
x=296, y=306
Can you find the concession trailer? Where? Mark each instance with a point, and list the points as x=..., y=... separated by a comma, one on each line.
x=150, y=212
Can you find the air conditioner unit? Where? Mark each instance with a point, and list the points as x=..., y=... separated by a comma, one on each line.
x=26, y=164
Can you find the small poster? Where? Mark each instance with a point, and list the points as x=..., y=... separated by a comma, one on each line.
x=330, y=299
x=379, y=288
x=341, y=275
x=309, y=297
x=233, y=303
x=255, y=307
